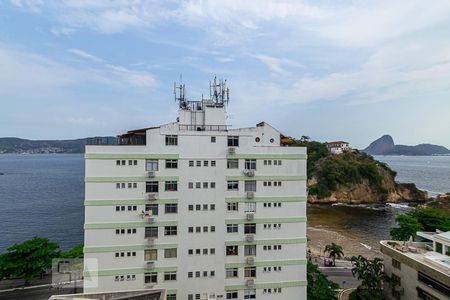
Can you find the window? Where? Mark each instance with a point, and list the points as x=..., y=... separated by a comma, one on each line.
x=171, y=186
x=233, y=141
x=231, y=272
x=134, y=185
x=212, y=185
x=151, y=232
x=171, y=297
x=438, y=247
x=117, y=162
x=213, y=228
x=213, y=139
x=250, y=228
x=198, y=163
x=205, y=206
x=191, y=185
x=212, y=207
x=205, y=228
x=191, y=163
x=198, y=185
x=170, y=253
x=232, y=295
x=232, y=163
x=213, y=163
x=205, y=251
x=171, y=164
x=191, y=251
x=233, y=185
x=250, y=250
x=190, y=274
x=232, y=206
x=151, y=254
x=130, y=162
x=118, y=185
x=250, y=207
x=170, y=230
x=151, y=165
x=249, y=294
x=212, y=251
x=231, y=250
x=168, y=276
x=123, y=162
x=198, y=207
x=151, y=209
x=151, y=277
x=190, y=229
x=250, y=272
x=171, y=208
x=171, y=140
x=151, y=186
x=205, y=163
x=232, y=228
x=198, y=229
x=396, y=264
x=205, y=185
x=250, y=164
x=250, y=186
x=135, y=162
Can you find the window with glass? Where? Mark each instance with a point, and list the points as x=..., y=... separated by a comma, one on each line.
x=250, y=186
x=151, y=165
x=438, y=247
x=232, y=185
x=232, y=163
x=151, y=254
x=171, y=140
x=213, y=139
x=232, y=295
x=151, y=277
x=232, y=206
x=396, y=264
x=170, y=276
x=250, y=228
x=171, y=164
x=250, y=272
x=232, y=228
x=250, y=250
x=233, y=141
x=171, y=208
x=152, y=186
x=250, y=164
x=151, y=209
x=170, y=230
x=231, y=250
x=151, y=232
x=170, y=253
x=249, y=294
x=171, y=297
x=231, y=272
x=249, y=207
x=171, y=186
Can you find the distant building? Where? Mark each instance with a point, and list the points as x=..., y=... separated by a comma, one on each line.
x=422, y=269
x=197, y=208
x=337, y=147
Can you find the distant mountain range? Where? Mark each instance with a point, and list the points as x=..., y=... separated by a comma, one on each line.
x=385, y=146
x=16, y=145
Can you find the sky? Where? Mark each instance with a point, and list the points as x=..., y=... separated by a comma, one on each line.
x=331, y=70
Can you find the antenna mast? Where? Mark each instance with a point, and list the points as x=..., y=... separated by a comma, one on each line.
x=179, y=92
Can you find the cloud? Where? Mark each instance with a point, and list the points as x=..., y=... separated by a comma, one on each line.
x=276, y=65
x=85, y=55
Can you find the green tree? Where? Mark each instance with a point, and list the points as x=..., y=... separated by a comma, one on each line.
x=334, y=251
x=371, y=274
x=432, y=218
x=28, y=259
x=408, y=226
x=75, y=252
x=319, y=286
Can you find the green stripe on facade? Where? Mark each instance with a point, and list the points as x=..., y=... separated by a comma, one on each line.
x=127, y=201
x=130, y=156
x=130, y=179
x=128, y=248
x=171, y=292
x=113, y=272
x=267, y=242
x=267, y=178
x=271, y=263
x=267, y=220
x=269, y=156
x=267, y=199
x=267, y=285
x=128, y=224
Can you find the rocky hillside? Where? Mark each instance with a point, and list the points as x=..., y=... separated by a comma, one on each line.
x=354, y=177
x=385, y=146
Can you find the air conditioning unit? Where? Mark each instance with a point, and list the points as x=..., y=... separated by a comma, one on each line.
x=150, y=265
x=151, y=196
x=250, y=282
x=250, y=260
x=249, y=237
x=249, y=173
x=250, y=216
x=231, y=150
x=250, y=195
x=151, y=174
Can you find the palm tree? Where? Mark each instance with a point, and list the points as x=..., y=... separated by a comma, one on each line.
x=334, y=251
x=370, y=272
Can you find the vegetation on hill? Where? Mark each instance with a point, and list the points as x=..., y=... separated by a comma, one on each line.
x=319, y=286
x=16, y=145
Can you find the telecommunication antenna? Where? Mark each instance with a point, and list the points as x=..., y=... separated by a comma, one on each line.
x=219, y=92
x=179, y=92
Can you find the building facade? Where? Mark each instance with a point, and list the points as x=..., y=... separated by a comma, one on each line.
x=337, y=147
x=197, y=208
x=421, y=270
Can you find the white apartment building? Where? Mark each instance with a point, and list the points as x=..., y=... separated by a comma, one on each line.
x=338, y=147
x=421, y=269
x=197, y=208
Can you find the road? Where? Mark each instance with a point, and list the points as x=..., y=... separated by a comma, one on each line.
x=341, y=275
x=35, y=293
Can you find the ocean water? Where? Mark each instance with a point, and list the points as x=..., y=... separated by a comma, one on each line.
x=41, y=195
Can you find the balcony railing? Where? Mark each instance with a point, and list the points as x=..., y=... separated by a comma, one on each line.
x=203, y=127
x=113, y=141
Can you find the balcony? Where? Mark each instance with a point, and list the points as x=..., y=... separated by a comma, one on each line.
x=203, y=127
